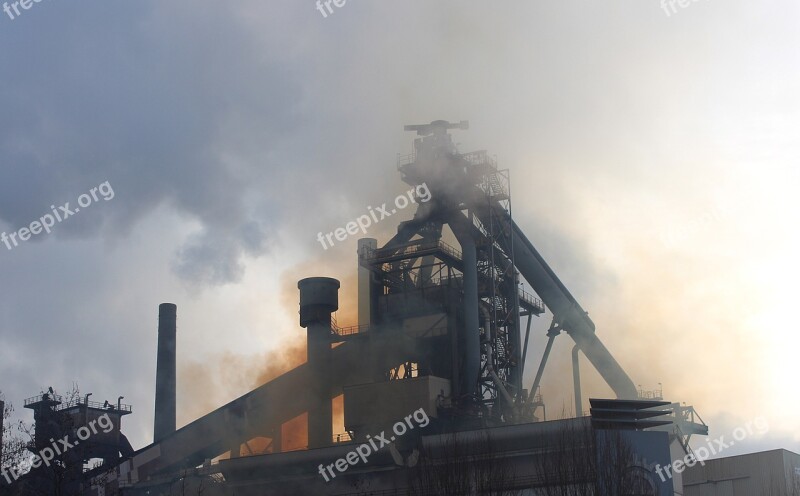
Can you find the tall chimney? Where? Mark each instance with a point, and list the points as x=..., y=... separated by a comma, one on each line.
x=2, y=423
x=319, y=298
x=165, y=372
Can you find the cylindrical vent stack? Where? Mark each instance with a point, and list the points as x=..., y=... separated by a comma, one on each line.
x=319, y=298
x=165, y=372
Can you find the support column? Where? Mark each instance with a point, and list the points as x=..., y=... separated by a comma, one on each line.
x=277, y=439
x=471, y=334
x=366, y=284
x=470, y=345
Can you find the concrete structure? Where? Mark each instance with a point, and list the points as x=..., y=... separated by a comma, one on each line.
x=767, y=473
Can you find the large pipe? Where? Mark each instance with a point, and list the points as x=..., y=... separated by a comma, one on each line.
x=319, y=298
x=576, y=381
x=566, y=310
x=274, y=403
x=164, y=423
x=569, y=314
x=470, y=342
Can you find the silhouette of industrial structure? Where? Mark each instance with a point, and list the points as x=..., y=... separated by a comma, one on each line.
x=442, y=328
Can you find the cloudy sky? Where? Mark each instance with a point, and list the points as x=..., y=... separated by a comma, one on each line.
x=653, y=159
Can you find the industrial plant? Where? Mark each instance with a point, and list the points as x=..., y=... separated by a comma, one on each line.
x=431, y=378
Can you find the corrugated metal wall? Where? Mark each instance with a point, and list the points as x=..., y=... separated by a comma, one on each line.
x=769, y=473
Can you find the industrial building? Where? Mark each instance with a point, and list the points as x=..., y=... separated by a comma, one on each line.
x=445, y=310
x=768, y=473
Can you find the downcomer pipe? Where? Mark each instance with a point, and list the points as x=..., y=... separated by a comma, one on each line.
x=576, y=381
x=319, y=298
x=566, y=310
x=164, y=423
x=470, y=340
x=569, y=314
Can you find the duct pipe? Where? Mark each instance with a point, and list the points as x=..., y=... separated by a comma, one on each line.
x=164, y=423
x=471, y=353
x=558, y=299
x=569, y=314
x=576, y=381
x=319, y=298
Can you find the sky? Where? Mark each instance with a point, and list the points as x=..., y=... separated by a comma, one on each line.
x=653, y=156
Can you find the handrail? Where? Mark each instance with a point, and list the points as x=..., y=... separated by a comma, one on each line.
x=350, y=330
x=346, y=331
x=651, y=395
x=406, y=159
x=528, y=297
x=344, y=437
x=96, y=404
x=44, y=397
x=61, y=405
x=479, y=157
x=420, y=245
x=414, y=247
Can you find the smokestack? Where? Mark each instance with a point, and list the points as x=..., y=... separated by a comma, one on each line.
x=319, y=298
x=2, y=423
x=165, y=372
